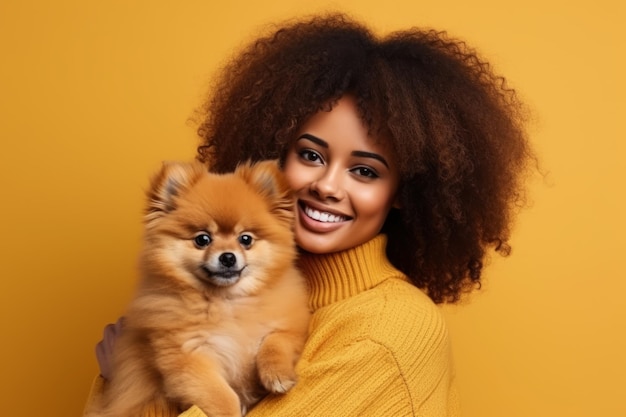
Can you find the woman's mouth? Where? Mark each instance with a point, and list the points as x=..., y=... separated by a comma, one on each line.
x=320, y=221
x=323, y=216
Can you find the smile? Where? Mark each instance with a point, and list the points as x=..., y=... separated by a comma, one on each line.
x=323, y=216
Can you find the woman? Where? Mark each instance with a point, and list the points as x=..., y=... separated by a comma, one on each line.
x=406, y=155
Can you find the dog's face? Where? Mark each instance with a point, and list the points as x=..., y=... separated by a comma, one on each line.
x=227, y=232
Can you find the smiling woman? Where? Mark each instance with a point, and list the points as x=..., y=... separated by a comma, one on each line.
x=451, y=128
x=342, y=181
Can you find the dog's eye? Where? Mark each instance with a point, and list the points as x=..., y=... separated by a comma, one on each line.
x=202, y=240
x=245, y=240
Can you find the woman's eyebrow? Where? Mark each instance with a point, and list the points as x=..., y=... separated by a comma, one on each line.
x=371, y=155
x=314, y=139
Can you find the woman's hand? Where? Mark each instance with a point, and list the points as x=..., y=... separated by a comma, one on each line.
x=104, y=348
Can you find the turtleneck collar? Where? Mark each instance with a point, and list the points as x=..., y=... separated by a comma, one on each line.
x=336, y=276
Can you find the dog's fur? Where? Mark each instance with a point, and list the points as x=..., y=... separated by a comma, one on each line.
x=221, y=313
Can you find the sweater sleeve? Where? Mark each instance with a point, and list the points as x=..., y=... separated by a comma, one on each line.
x=362, y=379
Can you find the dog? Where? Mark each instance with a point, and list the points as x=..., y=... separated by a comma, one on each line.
x=221, y=313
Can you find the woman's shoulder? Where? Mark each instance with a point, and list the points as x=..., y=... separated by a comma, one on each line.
x=394, y=317
x=394, y=313
x=405, y=309
x=397, y=297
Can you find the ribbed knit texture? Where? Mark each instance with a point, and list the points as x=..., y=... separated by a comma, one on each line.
x=337, y=276
x=378, y=345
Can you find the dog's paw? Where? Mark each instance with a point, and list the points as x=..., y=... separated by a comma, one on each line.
x=278, y=382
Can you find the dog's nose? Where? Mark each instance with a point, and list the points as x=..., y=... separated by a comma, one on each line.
x=228, y=259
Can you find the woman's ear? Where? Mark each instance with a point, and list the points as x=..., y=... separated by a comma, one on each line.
x=397, y=203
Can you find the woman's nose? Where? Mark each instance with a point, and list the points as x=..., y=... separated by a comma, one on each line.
x=328, y=185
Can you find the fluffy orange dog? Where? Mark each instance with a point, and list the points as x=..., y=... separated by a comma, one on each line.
x=221, y=313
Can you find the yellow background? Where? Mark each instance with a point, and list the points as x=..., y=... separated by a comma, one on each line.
x=95, y=94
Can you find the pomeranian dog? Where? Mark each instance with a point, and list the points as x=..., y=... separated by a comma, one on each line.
x=221, y=313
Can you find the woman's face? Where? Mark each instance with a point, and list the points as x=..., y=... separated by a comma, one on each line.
x=345, y=183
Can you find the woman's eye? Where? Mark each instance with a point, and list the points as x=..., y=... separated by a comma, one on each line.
x=245, y=240
x=310, y=156
x=202, y=240
x=365, y=172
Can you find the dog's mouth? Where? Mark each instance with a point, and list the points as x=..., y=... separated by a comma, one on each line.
x=222, y=277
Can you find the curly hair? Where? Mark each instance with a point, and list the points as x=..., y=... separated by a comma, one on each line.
x=456, y=128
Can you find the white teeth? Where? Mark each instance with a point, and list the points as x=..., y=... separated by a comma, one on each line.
x=323, y=216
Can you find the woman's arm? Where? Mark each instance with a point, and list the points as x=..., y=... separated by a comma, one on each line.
x=362, y=379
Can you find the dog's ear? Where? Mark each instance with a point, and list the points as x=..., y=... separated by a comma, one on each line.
x=168, y=184
x=268, y=180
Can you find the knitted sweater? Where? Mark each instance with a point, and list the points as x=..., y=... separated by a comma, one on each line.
x=378, y=346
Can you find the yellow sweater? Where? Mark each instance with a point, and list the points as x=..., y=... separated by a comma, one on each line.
x=378, y=345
